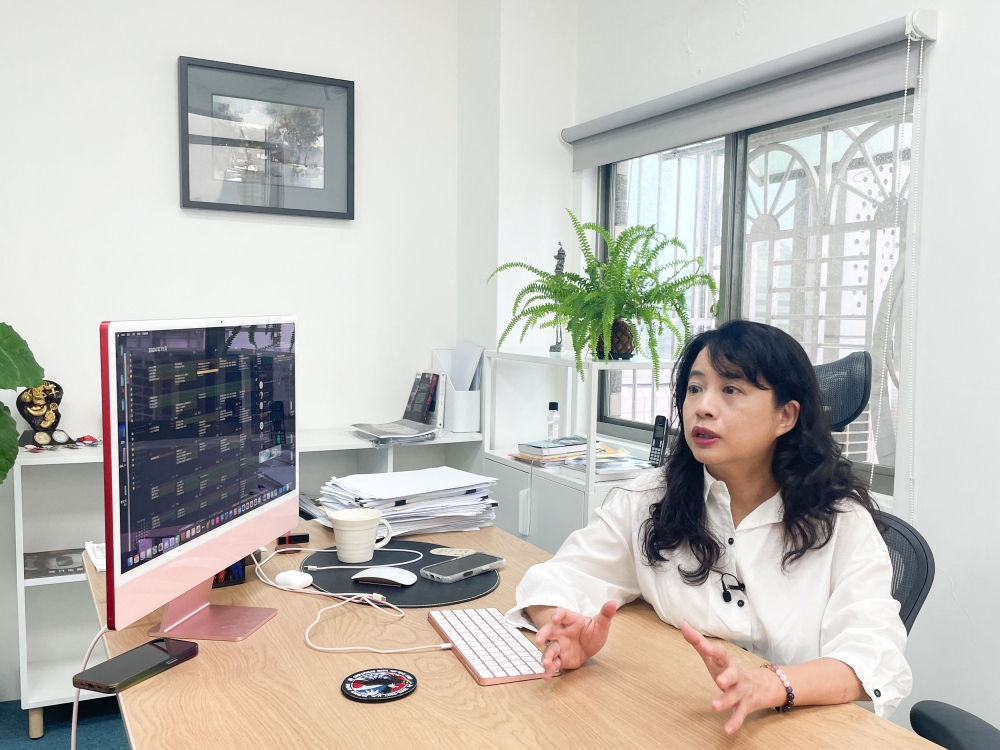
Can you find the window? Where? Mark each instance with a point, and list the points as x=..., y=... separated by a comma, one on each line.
x=814, y=251
x=681, y=192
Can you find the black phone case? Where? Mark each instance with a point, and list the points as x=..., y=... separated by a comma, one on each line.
x=84, y=680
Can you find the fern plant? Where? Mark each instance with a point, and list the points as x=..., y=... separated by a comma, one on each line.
x=631, y=284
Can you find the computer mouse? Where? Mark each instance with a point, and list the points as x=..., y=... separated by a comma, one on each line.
x=385, y=577
x=293, y=579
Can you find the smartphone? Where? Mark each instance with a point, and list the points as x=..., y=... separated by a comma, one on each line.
x=136, y=665
x=462, y=567
x=659, y=440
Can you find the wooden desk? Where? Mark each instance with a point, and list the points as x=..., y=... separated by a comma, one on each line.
x=646, y=688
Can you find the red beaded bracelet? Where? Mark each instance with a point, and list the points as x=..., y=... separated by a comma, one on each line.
x=790, y=701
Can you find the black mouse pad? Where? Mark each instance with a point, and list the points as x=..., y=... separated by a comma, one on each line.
x=424, y=593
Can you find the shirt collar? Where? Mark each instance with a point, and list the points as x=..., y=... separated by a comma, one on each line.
x=768, y=512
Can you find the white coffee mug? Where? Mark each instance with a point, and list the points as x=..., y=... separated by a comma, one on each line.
x=355, y=530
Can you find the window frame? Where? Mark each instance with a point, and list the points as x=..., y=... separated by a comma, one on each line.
x=732, y=262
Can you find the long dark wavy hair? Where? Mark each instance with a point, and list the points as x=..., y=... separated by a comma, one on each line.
x=807, y=464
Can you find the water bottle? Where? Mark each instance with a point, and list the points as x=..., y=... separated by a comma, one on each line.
x=552, y=420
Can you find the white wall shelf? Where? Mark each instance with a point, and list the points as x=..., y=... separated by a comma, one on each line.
x=49, y=581
x=89, y=455
x=310, y=441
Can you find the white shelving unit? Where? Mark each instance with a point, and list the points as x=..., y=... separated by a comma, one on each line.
x=59, y=504
x=539, y=505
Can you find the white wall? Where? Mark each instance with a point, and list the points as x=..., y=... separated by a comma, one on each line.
x=92, y=229
x=517, y=72
x=630, y=51
x=478, y=169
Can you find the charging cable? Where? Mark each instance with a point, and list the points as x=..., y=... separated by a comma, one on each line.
x=311, y=568
x=76, y=696
x=378, y=601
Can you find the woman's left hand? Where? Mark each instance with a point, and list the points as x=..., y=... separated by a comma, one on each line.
x=743, y=690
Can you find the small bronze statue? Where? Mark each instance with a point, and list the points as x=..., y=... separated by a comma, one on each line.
x=560, y=268
x=560, y=260
x=40, y=408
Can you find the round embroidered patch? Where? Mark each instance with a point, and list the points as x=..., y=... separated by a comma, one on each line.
x=378, y=685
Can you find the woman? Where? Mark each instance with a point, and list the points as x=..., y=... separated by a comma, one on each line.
x=757, y=532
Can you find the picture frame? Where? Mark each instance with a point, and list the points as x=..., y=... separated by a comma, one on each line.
x=265, y=141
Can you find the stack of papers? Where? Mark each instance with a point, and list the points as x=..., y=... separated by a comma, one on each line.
x=418, y=502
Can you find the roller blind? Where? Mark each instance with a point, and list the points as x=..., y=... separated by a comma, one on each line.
x=851, y=69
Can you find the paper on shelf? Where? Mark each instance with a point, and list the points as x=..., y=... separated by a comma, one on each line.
x=462, y=365
x=97, y=555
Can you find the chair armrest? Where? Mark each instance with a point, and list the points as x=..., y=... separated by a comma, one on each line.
x=952, y=728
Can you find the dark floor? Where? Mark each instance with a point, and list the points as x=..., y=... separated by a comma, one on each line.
x=100, y=727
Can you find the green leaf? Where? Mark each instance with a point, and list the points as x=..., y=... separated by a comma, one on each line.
x=8, y=441
x=18, y=367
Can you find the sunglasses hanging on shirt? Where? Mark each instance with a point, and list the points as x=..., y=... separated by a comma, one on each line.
x=727, y=588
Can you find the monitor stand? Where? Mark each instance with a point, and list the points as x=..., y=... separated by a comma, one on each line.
x=191, y=616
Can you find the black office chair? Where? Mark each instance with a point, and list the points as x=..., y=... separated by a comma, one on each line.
x=845, y=387
x=952, y=728
x=912, y=566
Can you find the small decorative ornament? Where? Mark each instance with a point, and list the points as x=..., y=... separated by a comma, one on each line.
x=40, y=408
x=560, y=270
x=378, y=685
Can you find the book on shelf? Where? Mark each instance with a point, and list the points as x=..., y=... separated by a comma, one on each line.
x=552, y=462
x=422, y=397
x=606, y=469
x=53, y=563
x=557, y=447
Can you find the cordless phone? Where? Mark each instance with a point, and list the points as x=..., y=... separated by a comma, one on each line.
x=659, y=433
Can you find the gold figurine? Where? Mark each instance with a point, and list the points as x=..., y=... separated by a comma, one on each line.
x=40, y=406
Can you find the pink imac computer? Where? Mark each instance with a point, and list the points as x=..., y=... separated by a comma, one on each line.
x=200, y=466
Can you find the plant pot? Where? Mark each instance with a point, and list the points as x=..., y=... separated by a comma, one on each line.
x=622, y=341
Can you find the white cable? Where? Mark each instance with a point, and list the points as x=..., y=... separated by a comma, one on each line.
x=872, y=263
x=913, y=275
x=76, y=696
x=372, y=600
x=366, y=599
x=418, y=558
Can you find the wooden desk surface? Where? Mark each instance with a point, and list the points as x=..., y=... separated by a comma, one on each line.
x=646, y=688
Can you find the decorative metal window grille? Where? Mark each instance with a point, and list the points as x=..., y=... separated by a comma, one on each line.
x=822, y=241
x=821, y=245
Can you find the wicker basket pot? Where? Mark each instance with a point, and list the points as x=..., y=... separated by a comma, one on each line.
x=622, y=341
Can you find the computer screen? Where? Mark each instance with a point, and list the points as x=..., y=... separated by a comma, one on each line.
x=206, y=431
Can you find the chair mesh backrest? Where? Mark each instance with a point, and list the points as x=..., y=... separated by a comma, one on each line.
x=912, y=567
x=844, y=387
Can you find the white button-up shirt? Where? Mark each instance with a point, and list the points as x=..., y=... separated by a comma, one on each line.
x=834, y=602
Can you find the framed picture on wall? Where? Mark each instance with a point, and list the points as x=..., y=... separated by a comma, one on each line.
x=265, y=141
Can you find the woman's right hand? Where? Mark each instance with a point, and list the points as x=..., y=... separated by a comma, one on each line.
x=568, y=639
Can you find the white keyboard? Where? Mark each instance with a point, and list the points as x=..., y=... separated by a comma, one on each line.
x=490, y=648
